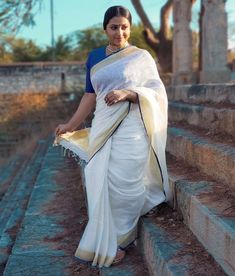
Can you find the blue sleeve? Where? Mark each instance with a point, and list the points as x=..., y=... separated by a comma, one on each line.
x=89, y=87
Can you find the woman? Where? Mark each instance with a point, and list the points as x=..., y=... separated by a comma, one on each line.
x=126, y=174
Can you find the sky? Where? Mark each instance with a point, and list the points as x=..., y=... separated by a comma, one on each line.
x=73, y=15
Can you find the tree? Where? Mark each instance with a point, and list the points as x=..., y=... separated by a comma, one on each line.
x=138, y=39
x=63, y=50
x=160, y=41
x=22, y=50
x=15, y=14
x=25, y=50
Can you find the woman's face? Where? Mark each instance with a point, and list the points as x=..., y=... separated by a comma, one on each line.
x=118, y=31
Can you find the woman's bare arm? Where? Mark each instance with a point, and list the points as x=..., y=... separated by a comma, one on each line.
x=85, y=107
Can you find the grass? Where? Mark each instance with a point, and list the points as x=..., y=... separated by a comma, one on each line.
x=26, y=117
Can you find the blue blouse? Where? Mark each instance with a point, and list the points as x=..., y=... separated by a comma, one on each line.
x=94, y=57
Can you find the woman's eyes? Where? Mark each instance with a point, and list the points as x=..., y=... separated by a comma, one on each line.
x=116, y=27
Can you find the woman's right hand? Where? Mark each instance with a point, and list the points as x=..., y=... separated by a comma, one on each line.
x=62, y=128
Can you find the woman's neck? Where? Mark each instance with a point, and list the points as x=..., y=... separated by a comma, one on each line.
x=113, y=48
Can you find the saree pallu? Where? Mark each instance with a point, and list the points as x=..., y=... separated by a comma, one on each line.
x=126, y=174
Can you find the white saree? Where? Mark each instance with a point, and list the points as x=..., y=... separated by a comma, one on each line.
x=126, y=175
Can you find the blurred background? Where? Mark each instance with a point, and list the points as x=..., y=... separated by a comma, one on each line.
x=44, y=45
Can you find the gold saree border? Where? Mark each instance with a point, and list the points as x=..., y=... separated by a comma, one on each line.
x=114, y=57
x=89, y=256
x=102, y=139
x=146, y=115
x=126, y=239
x=79, y=137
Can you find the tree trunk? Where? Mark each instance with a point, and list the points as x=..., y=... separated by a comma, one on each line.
x=158, y=41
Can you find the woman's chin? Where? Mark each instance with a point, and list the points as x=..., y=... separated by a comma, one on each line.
x=119, y=44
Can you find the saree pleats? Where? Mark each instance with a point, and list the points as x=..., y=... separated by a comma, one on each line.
x=129, y=153
x=99, y=241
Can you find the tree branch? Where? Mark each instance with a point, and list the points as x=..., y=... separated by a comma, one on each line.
x=15, y=14
x=164, y=31
x=143, y=16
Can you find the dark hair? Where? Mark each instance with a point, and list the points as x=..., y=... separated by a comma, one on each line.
x=116, y=11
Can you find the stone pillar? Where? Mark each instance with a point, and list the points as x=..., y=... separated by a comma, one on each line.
x=182, y=43
x=214, y=42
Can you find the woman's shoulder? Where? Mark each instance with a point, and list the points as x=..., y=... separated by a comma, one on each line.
x=141, y=50
x=144, y=53
x=95, y=56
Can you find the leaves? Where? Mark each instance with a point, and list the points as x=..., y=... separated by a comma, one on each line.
x=15, y=14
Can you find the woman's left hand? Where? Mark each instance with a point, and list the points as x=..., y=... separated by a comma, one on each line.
x=116, y=96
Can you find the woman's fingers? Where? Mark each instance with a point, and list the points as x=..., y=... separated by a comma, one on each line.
x=115, y=96
x=111, y=101
x=111, y=98
x=59, y=130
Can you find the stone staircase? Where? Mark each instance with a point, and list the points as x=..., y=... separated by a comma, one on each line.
x=198, y=237
x=17, y=179
x=43, y=212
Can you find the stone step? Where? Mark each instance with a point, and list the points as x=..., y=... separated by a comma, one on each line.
x=12, y=185
x=8, y=171
x=217, y=94
x=53, y=224
x=13, y=213
x=170, y=248
x=213, y=158
x=208, y=210
x=216, y=120
x=7, y=203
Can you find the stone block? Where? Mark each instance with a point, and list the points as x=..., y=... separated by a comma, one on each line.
x=184, y=78
x=215, y=76
x=167, y=246
x=40, y=240
x=201, y=93
x=19, y=265
x=209, y=215
x=215, y=159
x=216, y=120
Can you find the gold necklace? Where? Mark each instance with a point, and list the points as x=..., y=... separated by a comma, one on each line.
x=112, y=51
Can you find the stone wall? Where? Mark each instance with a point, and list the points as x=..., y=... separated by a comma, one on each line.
x=42, y=77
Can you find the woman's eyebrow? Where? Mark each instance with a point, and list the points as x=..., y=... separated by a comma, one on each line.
x=116, y=25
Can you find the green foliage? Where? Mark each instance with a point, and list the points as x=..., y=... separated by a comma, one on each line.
x=91, y=38
x=23, y=50
x=86, y=40
x=74, y=46
x=63, y=50
x=16, y=13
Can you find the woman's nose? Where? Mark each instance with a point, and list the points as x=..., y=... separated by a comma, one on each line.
x=119, y=30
